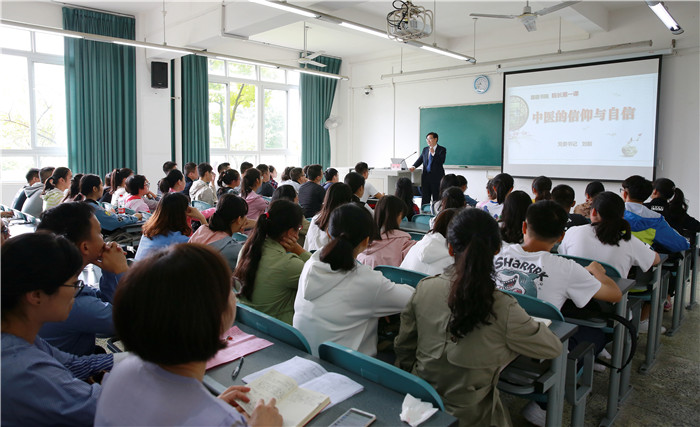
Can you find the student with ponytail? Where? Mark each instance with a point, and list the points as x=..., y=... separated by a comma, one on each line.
x=669, y=201
x=228, y=181
x=458, y=330
x=501, y=185
x=389, y=244
x=250, y=183
x=271, y=261
x=542, y=188
x=340, y=300
x=91, y=189
x=337, y=194
x=118, y=185
x=73, y=194
x=174, y=181
x=55, y=187
x=228, y=218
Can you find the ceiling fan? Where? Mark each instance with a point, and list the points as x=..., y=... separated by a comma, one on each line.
x=306, y=58
x=528, y=18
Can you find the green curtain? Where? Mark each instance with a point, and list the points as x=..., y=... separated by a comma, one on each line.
x=195, y=109
x=100, y=93
x=317, y=95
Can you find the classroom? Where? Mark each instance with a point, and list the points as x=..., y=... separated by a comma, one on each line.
x=374, y=112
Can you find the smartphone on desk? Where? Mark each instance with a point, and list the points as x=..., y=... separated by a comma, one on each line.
x=353, y=417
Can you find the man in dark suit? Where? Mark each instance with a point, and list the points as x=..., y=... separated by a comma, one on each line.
x=432, y=159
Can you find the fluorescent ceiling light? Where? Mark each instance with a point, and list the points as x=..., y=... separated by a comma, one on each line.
x=244, y=61
x=320, y=73
x=364, y=29
x=446, y=53
x=55, y=33
x=660, y=10
x=286, y=8
x=156, y=47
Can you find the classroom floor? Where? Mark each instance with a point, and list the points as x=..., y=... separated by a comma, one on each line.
x=669, y=395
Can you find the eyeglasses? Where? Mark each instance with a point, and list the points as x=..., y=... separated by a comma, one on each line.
x=78, y=286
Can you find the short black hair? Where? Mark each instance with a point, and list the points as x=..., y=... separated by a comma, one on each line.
x=594, y=188
x=314, y=171
x=245, y=166
x=135, y=183
x=295, y=174
x=638, y=188
x=203, y=168
x=564, y=196
x=186, y=287
x=546, y=220
x=433, y=134
x=461, y=181
x=168, y=166
x=263, y=168
x=284, y=192
x=33, y=173
x=355, y=181
x=45, y=173
x=222, y=167
x=190, y=167
x=361, y=167
x=71, y=220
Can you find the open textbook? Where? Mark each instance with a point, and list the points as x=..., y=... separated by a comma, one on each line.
x=309, y=375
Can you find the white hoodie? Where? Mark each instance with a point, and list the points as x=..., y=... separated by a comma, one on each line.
x=315, y=237
x=429, y=255
x=343, y=307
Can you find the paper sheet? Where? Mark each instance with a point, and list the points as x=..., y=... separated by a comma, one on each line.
x=238, y=344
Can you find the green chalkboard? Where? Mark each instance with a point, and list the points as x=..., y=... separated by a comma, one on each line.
x=472, y=134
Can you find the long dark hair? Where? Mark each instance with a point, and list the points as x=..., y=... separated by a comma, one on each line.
x=442, y=221
x=170, y=180
x=88, y=182
x=612, y=226
x=118, y=176
x=280, y=217
x=502, y=184
x=170, y=215
x=514, y=209
x=386, y=213
x=249, y=178
x=227, y=177
x=228, y=209
x=58, y=173
x=543, y=187
x=74, y=192
x=349, y=226
x=404, y=191
x=677, y=206
x=337, y=194
x=284, y=192
x=447, y=181
x=453, y=197
x=475, y=238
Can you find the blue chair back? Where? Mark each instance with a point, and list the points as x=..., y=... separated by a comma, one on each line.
x=200, y=205
x=422, y=218
x=425, y=208
x=416, y=236
x=239, y=237
x=401, y=275
x=379, y=372
x=536, y=307
x=610, y=271
x=271, y=326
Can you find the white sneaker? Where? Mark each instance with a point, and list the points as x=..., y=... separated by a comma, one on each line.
x=597, y=367
x=534, y=414
x=605, y=355
x=644, y=327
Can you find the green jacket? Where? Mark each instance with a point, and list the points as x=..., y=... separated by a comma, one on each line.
x=276, y=281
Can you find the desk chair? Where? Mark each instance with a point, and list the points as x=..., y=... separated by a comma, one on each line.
x=425, y=208
x=693, y=271
x=382, y=373
x=422, y=218
x=239, y=237
x=530, y=379
x=676, y=268
x=271, y=326
x=200, y=205
x=401, y=275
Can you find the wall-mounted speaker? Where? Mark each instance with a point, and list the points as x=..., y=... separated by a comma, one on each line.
x=159, y=75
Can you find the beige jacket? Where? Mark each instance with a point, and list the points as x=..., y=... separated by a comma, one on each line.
x=465, y=373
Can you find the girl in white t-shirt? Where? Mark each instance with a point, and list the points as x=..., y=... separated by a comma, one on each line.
x=501, y=186
x=337, y=194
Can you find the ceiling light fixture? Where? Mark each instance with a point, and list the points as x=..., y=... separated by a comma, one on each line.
x=287, y=8
x=446, y=52
x=155, y=46
x=659, y=8
x=40, y=30
x=366, y=30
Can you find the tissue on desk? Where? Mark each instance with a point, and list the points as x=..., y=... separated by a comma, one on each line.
x=414, y=411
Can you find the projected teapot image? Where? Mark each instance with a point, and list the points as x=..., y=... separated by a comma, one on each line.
x=629, y=149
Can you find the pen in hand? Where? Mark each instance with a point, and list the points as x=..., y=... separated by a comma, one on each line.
x=237, y=370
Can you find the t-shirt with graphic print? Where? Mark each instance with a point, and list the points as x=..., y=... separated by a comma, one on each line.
x=544, y=276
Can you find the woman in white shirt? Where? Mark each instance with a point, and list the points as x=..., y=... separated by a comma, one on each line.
x=430, y=254
x=340, y=300
x=337, y=194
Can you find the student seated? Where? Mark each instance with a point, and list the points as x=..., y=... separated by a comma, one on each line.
x=174, y=181
x=118, y=186
x=91, y=188
x=161, y=383
x=33, y=205
x=565, y=196
x=357, y=186
x=430, y=254
x=250, y=183
x=389, y=244
x=137, y=187
x=669, y=201
x=229, y=181
x=363, y=169
x=32, y=178
x=452, y=198
x=287, y=192
x=311, y=193
x=55, y=187
x=331, y=177
x=513, y=216
x=168, y=225
x=339, y=300
x=91, y=314
x=72, y=194
x=592, y=189
x=42, y=385
x=203, y=188
x=404, y=191
x=266, y=189
x=447, y=181
x=293, y=177
x=542, y=188
x=501, y=185
x=190, y=177
x=337, y=194
x=228, y=218
x=271, y=261
x=609, y=239
x=273, y=176
x=458, y=331
x=462, y=183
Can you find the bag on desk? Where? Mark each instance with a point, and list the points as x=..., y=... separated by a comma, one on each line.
x=605, y=311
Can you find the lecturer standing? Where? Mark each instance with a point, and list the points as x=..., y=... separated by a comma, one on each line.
x=432, y=159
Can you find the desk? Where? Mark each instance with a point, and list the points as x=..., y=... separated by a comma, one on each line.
x=414, y=227
x=555, y=395
x=382, y=402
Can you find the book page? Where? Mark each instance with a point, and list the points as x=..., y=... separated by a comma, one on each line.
x=336, y=386
x=272, y=384
x=542, y=320
x=302, y=370
x=300, y=406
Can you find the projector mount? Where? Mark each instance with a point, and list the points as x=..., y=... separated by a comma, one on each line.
x=408, y=22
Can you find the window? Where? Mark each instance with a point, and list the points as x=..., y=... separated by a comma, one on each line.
x=33, y=104
x=254, y=115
